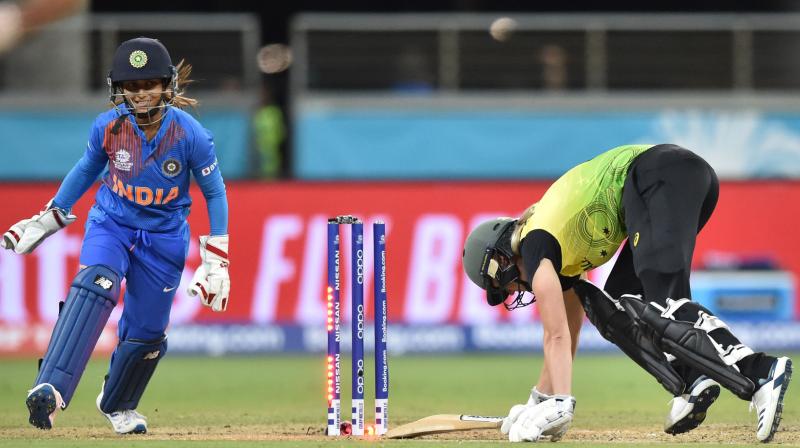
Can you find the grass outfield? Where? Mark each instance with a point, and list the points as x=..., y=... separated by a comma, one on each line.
x=243, y=402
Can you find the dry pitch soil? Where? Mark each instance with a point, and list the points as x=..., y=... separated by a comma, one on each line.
x=789, y=434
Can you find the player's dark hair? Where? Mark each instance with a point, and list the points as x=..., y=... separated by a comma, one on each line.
x=184, y=72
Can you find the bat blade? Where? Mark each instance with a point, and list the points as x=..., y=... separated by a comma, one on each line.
x=442, y=423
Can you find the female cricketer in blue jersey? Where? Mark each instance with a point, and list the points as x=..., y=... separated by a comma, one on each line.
x=136, y=230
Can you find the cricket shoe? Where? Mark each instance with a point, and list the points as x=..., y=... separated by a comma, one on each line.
x=768, y=399
x=689, y=410
x=124, y=422
x=43, y=402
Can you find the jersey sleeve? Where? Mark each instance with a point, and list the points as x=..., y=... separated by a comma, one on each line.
x=204, y=166
x=85, y=172
x=538, y=245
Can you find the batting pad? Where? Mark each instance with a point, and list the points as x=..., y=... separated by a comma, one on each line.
x=92, y=297
x=131, y=369
x=694, y=345
x=616, y=326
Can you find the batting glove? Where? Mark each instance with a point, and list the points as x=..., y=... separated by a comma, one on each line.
x=26, y=235
x=211, y=281
x=548, y=418
x=513, y=415
x=535, y=398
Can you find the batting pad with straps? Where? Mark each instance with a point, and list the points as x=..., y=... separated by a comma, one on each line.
x=92, y=297
x=616, y=326
x=697, y=338
x=131, y=369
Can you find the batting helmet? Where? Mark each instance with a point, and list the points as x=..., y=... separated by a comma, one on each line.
x=488, y=242
x=141, y=58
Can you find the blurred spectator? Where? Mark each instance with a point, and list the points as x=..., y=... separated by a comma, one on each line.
x=19, y=18
x=554, y=67
x=52, y=58
x=413, y=73
x=270, y=132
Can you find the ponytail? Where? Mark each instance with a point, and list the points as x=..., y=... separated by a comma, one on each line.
x=179, y=100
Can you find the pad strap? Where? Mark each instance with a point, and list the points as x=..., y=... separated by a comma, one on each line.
x=92, y=297
x=617, y=327
x=685, y=330
x=131, y=368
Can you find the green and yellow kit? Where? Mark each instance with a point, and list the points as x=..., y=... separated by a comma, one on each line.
x=583, y=211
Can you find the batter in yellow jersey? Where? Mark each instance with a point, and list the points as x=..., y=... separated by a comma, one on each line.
x=659, y=197
x=583, y=210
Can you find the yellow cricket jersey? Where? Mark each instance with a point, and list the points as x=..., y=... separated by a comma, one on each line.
x=583, y=210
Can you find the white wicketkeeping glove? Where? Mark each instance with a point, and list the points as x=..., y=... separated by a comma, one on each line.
x=26, y=235
x=211, y=280
x=535, y=398
x=549, y=418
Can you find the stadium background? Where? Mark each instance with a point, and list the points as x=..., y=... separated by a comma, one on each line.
x=425, y=115
x=431, y=118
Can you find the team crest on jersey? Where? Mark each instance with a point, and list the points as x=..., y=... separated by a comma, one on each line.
x=122, y=160
x=171, y=167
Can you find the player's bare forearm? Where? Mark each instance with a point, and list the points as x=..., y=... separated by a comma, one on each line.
x=575, y=316
x=557, y=340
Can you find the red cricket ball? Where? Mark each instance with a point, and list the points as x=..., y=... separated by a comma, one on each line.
x=346, y=428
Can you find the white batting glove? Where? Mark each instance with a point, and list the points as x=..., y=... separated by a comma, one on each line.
x=26, y=235
x=535, y=398
x=548, y=418
x=211, y=281
x=512, y=417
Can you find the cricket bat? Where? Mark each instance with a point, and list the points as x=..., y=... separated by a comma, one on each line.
x=440, y=423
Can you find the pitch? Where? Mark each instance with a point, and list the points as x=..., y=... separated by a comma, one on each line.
x=262, y=401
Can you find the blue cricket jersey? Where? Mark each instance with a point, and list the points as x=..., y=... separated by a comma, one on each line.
x=147, y=182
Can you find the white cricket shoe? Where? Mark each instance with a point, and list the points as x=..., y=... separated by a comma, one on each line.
x=688, y=410
x=124, y=422
x=43, y=402
x=768, y=399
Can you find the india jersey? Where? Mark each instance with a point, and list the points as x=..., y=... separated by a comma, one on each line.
x=583, y=210
x=147, y=182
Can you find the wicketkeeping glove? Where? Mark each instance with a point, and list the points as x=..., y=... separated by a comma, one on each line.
x=548, y=418
x=211, y=280
x=26, y=235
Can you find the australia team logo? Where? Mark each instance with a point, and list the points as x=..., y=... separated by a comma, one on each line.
x=171, y=167
x=122, y=160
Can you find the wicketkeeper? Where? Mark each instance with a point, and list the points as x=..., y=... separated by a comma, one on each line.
x=658, y=197
x=136, y=230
